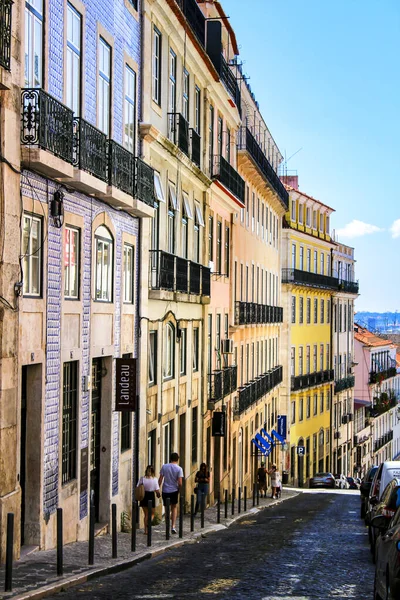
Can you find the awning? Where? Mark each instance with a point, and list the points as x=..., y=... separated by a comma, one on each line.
x=199, y=214
x=158, y=187
x=361, y=404
x=172, y=195
x=188, y=209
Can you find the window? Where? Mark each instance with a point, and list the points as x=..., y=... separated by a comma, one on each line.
x=293, y=412
x=315, y=261
x=129, y=109
x=308, y=407
x=308, y=311
x=196, y=349
x=292, y=361
x=328, y=264
x=266, y=224
x=172, y=82
x=73, y=67
x=220, y=133
x=315, y=220
x=156, y=59
x=71, y=263
x=293, y=256
x=32, y=258
x=228, y=146
x=183, y=352
x=308, y=260
x=104, y=264
x=322, y=259
x=33, y=43
x=196, y=232
x=308, y=217
x=315, y=310
x=194, y=434
x=168, y=438
x=315, y=365
x=307, y=360
x=293, y=211
x=247, y=206
x=227, y=251
x=211, y=137
x=169, y=351
x=218, y=339
x=186, y=215
x=328, y=362
x=69, y=420
x=321, y=357
x=327, y=225
x=301, y=310
x=322, y=311
x=293, y=309
x=104, y=98
x=301, y=214
x=151, y=447
x=301, y=259
x=126, y=437
x=328, y=311
x=172, y=207
x=129, y=254
x=197, y=110
x=152, y=357
x=300, y=360
x=315, y=404
x=253, y=210
x=219, y=246
x=301, y=409
x=211, y=238
x=185, y=95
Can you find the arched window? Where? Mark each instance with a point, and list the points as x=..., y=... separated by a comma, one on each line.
x=104, y=264
x=169, y=351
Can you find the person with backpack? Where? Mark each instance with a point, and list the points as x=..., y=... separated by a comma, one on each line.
x=146, y=491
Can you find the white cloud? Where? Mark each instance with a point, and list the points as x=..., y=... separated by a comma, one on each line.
x=395, y=229
x=359, y=228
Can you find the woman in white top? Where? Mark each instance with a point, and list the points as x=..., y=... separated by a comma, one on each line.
x=151, y=488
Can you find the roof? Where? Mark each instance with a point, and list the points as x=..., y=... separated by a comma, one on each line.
x=292, y=189
x=368, y=338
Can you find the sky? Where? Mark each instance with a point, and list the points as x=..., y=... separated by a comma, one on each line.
x=326, y=75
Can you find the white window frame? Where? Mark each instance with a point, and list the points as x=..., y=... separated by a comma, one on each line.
x=130, y=109
x=156, y=66
x=71, y=265
x=104, y=271
x=129, y=273
x=172, y=66
x=169, y=351
x=197, y=110
x=30, y=256
x=183, y=352
x=196, y=348
x=73, y=59
x=186, y=95
x=152, y=374
x=34, y=43
x=104, y=86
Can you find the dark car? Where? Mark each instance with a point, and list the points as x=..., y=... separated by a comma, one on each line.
x=322, y=480
x=365, y=487
x=387, y=558
x=385, y=507
x=353, y=483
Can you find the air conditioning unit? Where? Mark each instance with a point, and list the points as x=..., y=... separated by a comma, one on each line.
x=227, y=346
x=337, y=435
x=344, y=419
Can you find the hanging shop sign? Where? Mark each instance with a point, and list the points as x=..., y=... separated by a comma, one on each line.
x=125, y=384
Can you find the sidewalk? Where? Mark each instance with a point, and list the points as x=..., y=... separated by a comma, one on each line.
x=35, y=575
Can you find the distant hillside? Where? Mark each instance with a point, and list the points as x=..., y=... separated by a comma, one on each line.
x=379, y=322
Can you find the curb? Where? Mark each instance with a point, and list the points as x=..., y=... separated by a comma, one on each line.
x=74, y=580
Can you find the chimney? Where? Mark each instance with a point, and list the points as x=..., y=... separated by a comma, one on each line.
x=292, y=180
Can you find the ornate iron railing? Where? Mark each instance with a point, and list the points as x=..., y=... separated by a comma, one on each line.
x=144, y=182
x=344, y=384
x=5, y=33
x=230, y=82
x=46, y=123
x=228, y=176
x=254, y=390
x=90, y=149
x=195, y=147
x=251, y=312
x=215, y=386
x=378, y=376
x=246, y=141
x=195, y=18
x=178, y=131
x=348, y=286
x=305, y=381
x=222, y=383
x=177, y=274
x=121, y=167
x=310, y=279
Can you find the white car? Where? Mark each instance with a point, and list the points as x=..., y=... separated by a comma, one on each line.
x=341, y=482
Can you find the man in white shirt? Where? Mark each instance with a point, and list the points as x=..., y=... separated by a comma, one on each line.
x=172, y=474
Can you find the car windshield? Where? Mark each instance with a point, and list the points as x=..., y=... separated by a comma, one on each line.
x=372, y=473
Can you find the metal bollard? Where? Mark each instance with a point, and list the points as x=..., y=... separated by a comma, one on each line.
x=114, y=530
x=233, y=502
x=254, y=495
x=192, y=513
x=258, y=496
x=149, y=519
x=167, y=517
x=239, y=499
x=181, y=506
x=245, y=499
x=91, y=534
x=203, y=501
x=60, y=569
x=133, y=528
x=219, y=507
x=9, y=552
x=226, y=504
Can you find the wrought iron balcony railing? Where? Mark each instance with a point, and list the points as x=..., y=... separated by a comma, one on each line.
x=230, y=82
x=195, y=147
x=215, y=392
x=300, y=382
x=177, y=274
x=344, y=384
x=178, y=131
x=121, y=167
x=90, y=149
x=144, y=182
x=378, y=376
x=46, y=123
x=348, y=286
x=5, y=33
x=309, y=279
x=254, y=390
x=195, y=18
x=222, y=383
x=246, y=141
x=228, y=176
x=250, y=312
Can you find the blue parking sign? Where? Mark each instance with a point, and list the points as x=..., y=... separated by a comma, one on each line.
x=301, y=450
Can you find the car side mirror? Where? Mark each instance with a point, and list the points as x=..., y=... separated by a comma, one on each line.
x=379, y=522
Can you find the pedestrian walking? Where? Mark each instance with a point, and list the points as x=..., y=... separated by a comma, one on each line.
x=171, y=476
x=262, y=480
x=202, y=479
x=151, y=490
x=275, y=480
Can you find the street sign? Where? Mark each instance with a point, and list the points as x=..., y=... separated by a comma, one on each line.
x=218, y=424
x=282, y=426
x=301, y=450
x=125, y=384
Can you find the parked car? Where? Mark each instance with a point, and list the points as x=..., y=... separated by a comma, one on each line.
x=387, y=558
x=365, y=486
x=386, y=471
x=326, y=480
x=341, y=482
x=353, y=483
x=386, y=506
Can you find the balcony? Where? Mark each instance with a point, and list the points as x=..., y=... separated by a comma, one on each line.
x=195, y=18
x=178, y=131
x=175, y=274
x=344, y=384
x=298, y=277
x=246, y=141
x=351, y=287
x=5, y=33
x=195, y=147
x=247, y=313
x=300, y=382
x=222, y=383
x=383, y=440
x=144, y=182
x=48, y=125
x=228, y=176
x=90, y=149
x=379, y=376
x=121, y=167
x=254, y=390
x=229, y=80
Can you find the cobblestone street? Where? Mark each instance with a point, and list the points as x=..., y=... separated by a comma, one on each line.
x=311, y=547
